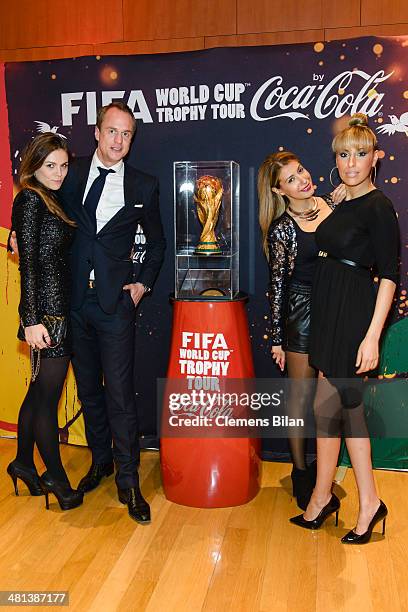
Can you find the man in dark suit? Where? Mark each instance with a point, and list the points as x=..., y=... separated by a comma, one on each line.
x=108, y=199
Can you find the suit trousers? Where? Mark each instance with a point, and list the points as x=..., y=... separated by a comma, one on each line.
x=103, y=353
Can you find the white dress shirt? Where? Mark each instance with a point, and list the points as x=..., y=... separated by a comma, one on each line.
x=112, y=198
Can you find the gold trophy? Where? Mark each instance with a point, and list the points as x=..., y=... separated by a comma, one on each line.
x=208, y=198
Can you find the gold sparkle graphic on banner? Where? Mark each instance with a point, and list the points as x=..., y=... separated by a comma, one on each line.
x=109, y=74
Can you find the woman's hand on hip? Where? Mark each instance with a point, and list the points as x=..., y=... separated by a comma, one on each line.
x=367, y=355
x=278, y=355
x=37, y=336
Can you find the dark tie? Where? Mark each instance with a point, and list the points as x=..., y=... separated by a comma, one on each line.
x=94, y=194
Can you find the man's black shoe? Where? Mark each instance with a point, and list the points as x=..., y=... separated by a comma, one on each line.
x=92, y=479
x=139, y=509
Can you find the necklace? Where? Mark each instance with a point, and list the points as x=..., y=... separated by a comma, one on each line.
x=307, y=215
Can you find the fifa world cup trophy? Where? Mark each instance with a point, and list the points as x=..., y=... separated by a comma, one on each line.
x=208, y=198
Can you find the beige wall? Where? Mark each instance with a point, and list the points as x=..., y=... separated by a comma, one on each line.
x=40, y=29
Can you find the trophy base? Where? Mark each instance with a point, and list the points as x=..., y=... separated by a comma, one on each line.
x=213, y=292
x=207, y=248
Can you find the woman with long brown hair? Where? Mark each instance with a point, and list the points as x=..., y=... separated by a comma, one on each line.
x=44, y=235
x=289, y=214
x=347, y=321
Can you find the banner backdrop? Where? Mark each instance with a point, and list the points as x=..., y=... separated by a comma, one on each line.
x=219, y=104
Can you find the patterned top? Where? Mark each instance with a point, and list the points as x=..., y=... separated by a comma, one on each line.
x=282, y=248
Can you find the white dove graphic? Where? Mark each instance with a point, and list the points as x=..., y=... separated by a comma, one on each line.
x=396, y=125
x=44, y=127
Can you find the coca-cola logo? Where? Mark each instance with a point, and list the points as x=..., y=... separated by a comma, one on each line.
x=323, y=100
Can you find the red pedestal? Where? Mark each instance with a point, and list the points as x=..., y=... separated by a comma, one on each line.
x=211, y=472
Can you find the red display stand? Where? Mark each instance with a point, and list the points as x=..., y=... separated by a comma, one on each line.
x=211, y=472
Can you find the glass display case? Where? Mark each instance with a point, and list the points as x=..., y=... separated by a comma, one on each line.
x=206, y=225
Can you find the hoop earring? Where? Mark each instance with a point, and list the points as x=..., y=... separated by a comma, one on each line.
x=331, y=178
x=375, y=174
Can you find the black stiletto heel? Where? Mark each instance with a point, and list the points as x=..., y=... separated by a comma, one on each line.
x=67, y=497
x=354, y=538
x=316, y=523
x=14, y=479
x=28, y=475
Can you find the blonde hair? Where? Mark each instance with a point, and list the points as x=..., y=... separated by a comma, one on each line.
x=272, y=204
x=358, y=135
x=33, y=158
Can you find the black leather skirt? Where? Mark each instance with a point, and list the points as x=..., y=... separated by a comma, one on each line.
x=298, y=319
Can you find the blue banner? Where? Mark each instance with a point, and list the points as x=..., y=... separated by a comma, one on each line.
x=221, y=104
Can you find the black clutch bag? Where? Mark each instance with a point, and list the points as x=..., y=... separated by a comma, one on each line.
x=56, y=327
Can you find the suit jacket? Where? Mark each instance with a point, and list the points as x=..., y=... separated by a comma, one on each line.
x=108, y=251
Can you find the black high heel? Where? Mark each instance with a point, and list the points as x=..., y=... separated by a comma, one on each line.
x=353, y=538
x=28, y=475
x=67, y=497
x=316, y=523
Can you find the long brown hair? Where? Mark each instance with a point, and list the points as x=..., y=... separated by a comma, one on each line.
x=271, y=203
x=33, y=158
x=358, y=135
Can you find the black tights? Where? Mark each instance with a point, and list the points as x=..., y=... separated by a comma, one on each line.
x=38, y=418
x=300, y=400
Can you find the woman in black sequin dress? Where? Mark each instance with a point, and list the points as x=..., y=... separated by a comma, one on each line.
x=289, y=215
x=347, y=321
x=44, y=235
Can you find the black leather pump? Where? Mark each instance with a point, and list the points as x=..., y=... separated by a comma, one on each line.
x=316, y=523
x=354, y=538
x=67, y=497
x=28, y=475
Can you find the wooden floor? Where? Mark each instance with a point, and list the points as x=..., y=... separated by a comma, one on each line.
x=247, y=558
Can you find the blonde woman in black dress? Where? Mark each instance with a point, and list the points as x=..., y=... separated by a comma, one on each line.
x=348, y=316
x=289, y=214
x=44, y=235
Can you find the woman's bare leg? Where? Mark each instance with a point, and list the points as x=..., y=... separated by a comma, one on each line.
x=326, y=409
x=359, y=450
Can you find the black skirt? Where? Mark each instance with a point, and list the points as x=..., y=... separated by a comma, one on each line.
x=343, y=304
x=298, y=319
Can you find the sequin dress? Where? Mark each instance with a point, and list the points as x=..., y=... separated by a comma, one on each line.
x=43, y=243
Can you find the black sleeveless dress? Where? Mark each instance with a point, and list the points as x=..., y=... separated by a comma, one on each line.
x=363, y=230
x=43, y=243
